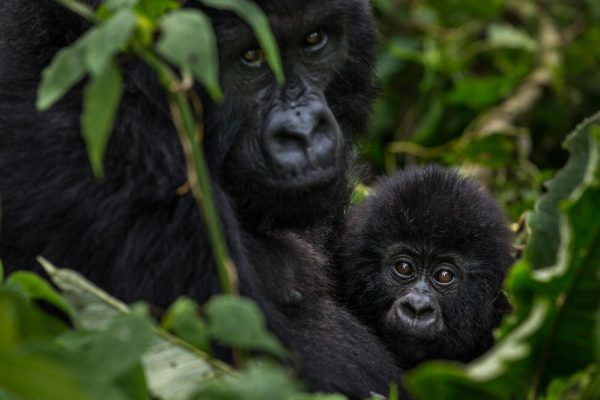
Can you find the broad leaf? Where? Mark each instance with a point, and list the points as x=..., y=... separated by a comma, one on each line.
x=544, y=221
x=238, y=322
x=104, y=42
x=188, y=41
x=259, y=23
x=173, y=369
x=38, y=289
x=100, y=104
x=35, y=376
x=182, y=318
x=67, y=68
x=256, y=381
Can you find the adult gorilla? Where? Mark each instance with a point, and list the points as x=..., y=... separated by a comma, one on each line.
x=277, y=157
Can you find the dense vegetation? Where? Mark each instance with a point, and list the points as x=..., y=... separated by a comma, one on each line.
x=490, y=87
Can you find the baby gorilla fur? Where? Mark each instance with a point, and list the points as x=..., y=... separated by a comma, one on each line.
x=422, y=261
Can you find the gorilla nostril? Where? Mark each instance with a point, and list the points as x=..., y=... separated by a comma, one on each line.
x=408, y=310
x=416, y=311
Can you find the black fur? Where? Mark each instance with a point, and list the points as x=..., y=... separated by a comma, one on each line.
x=135, y=237
x=430, y=217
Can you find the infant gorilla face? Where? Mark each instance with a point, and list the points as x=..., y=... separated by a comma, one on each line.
x=422, y=261
x=422, y=287
x=417, y=284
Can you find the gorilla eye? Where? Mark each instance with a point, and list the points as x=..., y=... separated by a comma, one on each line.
x=315, y=40
x=404, y=269
x=254, y=58
x=444, y=276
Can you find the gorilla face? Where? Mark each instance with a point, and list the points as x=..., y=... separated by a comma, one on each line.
x=287, y=151
x=422, y=261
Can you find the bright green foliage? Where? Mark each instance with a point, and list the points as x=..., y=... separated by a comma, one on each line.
x=37, y=288
x=545, y=237
x=253, y=15
x=183, y=319
x=553, y=332
x=238, y=322
x=66, y=70
x=262, y=381
x=104, y=42
x=101, y=101
x=41, y=359
x=189, y=42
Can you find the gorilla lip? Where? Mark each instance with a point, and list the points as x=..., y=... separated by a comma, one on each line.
x=314, y=178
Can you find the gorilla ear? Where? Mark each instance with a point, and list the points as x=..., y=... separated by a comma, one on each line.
x=502, y=307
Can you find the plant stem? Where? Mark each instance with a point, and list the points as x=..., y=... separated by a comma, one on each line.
x=80, y=9
x=200, y=184
x=190, y=133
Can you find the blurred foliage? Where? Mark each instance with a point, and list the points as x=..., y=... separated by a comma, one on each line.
x=492, y=87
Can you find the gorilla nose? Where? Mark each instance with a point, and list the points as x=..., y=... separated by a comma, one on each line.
x=301, y=139
x=417, y=308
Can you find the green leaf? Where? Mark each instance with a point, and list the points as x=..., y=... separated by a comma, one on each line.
x=182, y=318
x=105, y=41
x=20, y=320
x=100, y=104
x=120, y=348
x=257, y=381
x=38, y=289
x=31, y=376
x=238, y=322
x=67, y=68
x=188, y=41
x=133, y=384
x=259, y=23
x=544, y=221
x=1, y=272
x=568, y=340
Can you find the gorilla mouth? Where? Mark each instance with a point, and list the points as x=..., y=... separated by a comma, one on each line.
x=306, y=181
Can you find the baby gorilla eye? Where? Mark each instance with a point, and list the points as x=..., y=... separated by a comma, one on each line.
x=404, y=269
x=316, y=40
x=254, y=58
x=444, y=276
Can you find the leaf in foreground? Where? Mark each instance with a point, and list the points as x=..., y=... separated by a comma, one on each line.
x=238, y=322
x=100, y=105
x=189, y=42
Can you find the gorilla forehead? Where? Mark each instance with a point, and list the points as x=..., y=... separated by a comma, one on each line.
x=290, y=9
x=293, y=16
x=433, y=205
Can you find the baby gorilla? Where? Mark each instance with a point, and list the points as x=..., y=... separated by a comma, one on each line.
x=422, y=261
